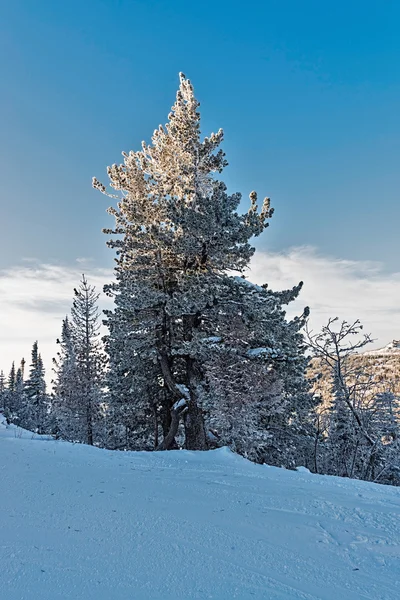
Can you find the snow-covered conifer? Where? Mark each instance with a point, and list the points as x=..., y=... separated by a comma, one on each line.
x=88, y=356
x=78, y=369
x=34, y=412
x=66, y=409
x=3, y=390
x=14, y=394
x=179, y=239
x=19, y=381
x=11, y=378
x=10, y=398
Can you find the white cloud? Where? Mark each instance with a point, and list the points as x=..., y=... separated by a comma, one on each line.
x=84, y=260
x=34, y=298
x=335, y=287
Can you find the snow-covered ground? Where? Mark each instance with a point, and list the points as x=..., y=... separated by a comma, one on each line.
x=393, y=349
x=81, y=523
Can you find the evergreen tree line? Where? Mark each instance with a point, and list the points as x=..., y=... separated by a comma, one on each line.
x=196, y=356
x=24, y=401
x=71, y=410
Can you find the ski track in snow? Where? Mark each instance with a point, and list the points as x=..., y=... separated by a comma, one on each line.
x=79, y=523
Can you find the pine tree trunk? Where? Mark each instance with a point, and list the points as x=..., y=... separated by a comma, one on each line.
x=155, y=426
x=167, y=425
x=89, y=425
x=195, y=436
x=169, y=442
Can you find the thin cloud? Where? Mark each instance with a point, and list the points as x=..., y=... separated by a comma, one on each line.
x=335, y=287
x=84, y=260
x=34, y=298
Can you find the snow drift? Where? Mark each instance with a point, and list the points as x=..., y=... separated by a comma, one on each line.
x=81, y=523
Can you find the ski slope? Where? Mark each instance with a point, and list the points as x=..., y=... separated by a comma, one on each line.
x=79, y=523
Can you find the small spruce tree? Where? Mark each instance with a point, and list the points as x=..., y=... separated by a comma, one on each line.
x=34, y=413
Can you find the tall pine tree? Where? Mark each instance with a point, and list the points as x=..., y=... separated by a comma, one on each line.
x=86, y=326
x=67, y=421
x=179, y=239
x=78, y=367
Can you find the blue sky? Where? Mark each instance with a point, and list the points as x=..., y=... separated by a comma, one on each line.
x=308, y=94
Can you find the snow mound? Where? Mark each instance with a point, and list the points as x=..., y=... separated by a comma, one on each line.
x=79, y=523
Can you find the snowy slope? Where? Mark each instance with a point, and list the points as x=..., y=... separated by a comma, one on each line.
x=81, y=523
x=393, y=348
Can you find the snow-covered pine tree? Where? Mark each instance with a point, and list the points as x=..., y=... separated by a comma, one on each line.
x=10, y=399
x=78, y=370
x=3, y=390
x=14, y=394
x=33, y=414
x=19, y=378
x=179, y=238
x=66, y=407
x=384, y=411
x=11, y=378
x=19, y=390
x=134, y=394
x=88, y=356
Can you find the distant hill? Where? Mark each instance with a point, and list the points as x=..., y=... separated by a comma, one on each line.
x=383, y=364
x=391, y=349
